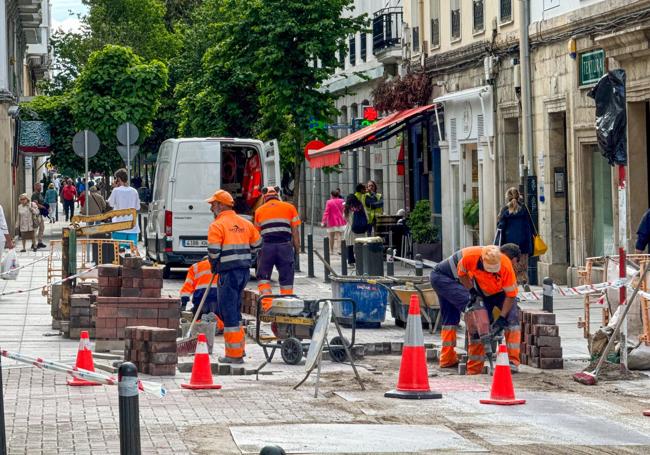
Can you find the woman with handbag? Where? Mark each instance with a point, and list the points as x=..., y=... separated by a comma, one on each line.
x=27, y=220
x=515, y=226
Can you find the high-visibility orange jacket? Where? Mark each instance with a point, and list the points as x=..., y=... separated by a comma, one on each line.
x=505, y=280
x=197, y=280
x=275, y=219
x=231, y=241
x=252, y=184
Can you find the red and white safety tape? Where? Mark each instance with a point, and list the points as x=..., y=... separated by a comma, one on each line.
x=579, y=290
x=153, y=388
x=23, y=266
x=53, y=283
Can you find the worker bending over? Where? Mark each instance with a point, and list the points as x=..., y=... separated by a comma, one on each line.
x=278, y=223
x=231, y=242
x=196, y=284
x=487, y=271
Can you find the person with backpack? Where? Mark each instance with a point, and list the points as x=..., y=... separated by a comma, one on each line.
x=356, y=219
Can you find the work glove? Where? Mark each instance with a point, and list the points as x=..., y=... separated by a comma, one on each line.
x=499, y=325
x=214, y=265
x=184, y=301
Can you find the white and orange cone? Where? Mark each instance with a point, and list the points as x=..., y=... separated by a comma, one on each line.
x=503, y=391
x=84, y=361
x=201, y=370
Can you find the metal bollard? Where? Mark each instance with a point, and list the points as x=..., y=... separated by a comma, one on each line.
x=310, y=256
x=129, y=409
x=296, y=262
x=547, y=299
x=302, y=238
x=419, y=266
x=344, y=258
x=3, y=435
x=390, y=262
x=326, y=256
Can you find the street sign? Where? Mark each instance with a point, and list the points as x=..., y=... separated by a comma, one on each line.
x=85, y=139
x=128, y=153
x=592, y=66
x=127, y=133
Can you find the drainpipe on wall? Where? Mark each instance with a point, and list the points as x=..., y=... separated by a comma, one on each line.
x=526, y=103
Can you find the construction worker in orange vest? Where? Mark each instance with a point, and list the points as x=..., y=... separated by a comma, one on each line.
x=231, y=242
x=196, y=282
x=488, y=271
x=278, y=223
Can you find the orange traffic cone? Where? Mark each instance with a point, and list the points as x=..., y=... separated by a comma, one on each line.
x=84, y=361
x=201, y=371
x=503, y=392
x=413, y=382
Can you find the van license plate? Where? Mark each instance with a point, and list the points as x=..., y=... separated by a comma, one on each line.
x=195, y=243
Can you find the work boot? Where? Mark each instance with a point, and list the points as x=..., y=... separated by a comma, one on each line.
x=514, y=369
x=231, y=360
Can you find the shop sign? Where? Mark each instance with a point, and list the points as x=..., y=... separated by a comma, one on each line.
x=592, y=66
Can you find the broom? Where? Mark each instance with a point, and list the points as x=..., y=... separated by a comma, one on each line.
x=591, y=378
x=187, y=345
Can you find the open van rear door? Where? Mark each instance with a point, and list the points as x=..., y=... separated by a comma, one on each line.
x=271, y=160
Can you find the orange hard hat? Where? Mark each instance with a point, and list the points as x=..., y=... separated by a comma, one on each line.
x=491, y=256
x=223, y=197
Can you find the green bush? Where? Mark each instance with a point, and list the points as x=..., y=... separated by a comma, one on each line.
x=419, y=222
x=471, y=213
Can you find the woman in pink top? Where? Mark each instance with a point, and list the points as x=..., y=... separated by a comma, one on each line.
x=334, y=221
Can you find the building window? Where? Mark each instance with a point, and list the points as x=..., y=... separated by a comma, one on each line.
x=341, y=59
x=435, y=23
x=505, y=10
x=479, y=15
x=455, y=20
x=363, y=48
x=415, y=24
x=353, y=50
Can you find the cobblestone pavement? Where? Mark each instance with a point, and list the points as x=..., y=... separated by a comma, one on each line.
x=44, y=415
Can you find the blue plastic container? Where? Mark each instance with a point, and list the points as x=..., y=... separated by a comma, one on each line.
x=371, y=300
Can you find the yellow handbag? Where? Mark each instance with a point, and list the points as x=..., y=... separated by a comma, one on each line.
x=539, y=245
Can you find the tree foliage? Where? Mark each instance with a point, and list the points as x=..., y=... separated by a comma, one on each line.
x=114, y=87
x=402, y=93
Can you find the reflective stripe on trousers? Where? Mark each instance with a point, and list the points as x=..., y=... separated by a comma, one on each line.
x=234, y=339
x=448, y=355
x=513, y=343
x=475, y=357
x=264, y=288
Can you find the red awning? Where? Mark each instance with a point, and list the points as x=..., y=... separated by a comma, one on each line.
x=384, y=129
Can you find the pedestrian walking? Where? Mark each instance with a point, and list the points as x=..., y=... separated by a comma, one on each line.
x=43, y=210
x=278, y=224
x=356, y=219
x=124, y=197
x=52, y=199
x=374, y=203
x=6, y=241
x=96, y=203
x=488, y=271
x=197, y=280
x=333, y=220
x=27, y=221
x=515, y=225
x=643, y=234
x=68, y=194
x=231, y=242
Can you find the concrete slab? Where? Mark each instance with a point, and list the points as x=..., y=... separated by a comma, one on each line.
x=346, y=438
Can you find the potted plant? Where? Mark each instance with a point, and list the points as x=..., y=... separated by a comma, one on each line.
x=425, y=235
x=471, y=218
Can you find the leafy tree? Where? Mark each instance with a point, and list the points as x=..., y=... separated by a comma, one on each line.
x=115, y=86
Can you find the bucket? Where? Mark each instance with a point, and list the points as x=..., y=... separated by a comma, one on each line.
x=400, y=308
x=371, y=300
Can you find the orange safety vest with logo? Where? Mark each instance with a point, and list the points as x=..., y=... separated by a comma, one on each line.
x=275, y=219
x=231, y=241
x=196, y=283
x=252, y=184
x=505, y=280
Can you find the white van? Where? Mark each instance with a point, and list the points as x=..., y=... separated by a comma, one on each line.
x=190, y=170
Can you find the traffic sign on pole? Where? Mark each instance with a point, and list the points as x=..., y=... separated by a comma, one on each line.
x=128, y=152
x=85, y=140
x=127, y=133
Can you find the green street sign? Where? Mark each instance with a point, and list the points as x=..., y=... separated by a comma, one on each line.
x=592, y=66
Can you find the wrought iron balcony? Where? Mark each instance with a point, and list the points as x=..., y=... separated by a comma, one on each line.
x=387, y=31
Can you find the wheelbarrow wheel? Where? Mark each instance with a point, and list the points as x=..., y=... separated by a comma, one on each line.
x=337, y=352
x=291, y=351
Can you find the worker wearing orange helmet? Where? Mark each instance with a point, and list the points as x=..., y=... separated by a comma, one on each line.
x=196, y=283
x=486, y=271
x=232, y=240
x=278, y=223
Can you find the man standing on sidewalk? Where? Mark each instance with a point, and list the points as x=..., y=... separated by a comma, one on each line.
x=68, y=194
x=278, y=223
x=124, y=197
x=231, y=242
x=39, y=200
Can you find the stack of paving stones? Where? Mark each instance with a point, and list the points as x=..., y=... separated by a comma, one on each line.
x=249, y=301
x=541, y=343
x=130, y=295
x=151, y=349
x=81, y=315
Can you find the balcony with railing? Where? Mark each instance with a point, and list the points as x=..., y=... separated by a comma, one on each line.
x=387, y=34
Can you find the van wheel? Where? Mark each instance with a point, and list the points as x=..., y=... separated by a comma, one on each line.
x=167, y=271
